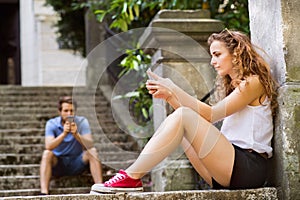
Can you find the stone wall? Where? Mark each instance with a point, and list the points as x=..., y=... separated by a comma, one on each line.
x=273, y=25
x=43, y=63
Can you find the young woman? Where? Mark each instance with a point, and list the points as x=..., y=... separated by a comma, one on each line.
x=237, y=155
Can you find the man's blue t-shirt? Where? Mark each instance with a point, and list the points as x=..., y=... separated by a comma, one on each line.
x=69, y=146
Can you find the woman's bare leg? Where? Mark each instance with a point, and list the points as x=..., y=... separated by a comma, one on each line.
x=195, y=161
x=212, y=148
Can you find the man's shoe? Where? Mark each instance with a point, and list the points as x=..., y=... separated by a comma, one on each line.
x=121, y=182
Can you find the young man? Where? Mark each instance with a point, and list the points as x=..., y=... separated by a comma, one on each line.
x=69, y=148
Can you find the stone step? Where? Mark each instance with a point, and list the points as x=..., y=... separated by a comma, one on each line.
x=40, y=101
x=25, y=182
x=11, y=141
x=51, y=100
x=45, y=116
x=61, y=190
x=32, y=122
x=34, y=136
x=109, y=168
x=14, y=186
x=41, y=131
x=15, y=88
x=41, y=124
x=19, y=170
x=21, y=124
x=92, y=114
x=21, y=90
x=21, y=193
x=21, y=158
x=33, y=169
x=22, y=132
x=93, y=119
x=51, y=95
x=39, y=147
x=268, y=193
x=8, y=139
x=49, y=110
x=49, y=104
x=19, y=182
x=26, y=116
x=54, y=93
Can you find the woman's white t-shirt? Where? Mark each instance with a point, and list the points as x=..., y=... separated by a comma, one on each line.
x=251, y=128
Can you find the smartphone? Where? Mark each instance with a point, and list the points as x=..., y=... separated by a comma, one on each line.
x=150, y=77
x=70, y=118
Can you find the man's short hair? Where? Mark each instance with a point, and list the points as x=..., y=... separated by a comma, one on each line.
x=66, y=99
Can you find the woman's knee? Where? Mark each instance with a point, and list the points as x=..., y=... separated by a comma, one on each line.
x=182, y=111
x=187, y=114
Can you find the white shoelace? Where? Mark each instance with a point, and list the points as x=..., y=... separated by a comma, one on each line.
x=118, y=177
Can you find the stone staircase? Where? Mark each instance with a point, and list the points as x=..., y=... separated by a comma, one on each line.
x=23, y=114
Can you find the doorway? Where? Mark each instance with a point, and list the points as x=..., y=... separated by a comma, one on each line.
x=10, y=69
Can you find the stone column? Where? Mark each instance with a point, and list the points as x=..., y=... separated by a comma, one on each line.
x=274, y=26
x=95, y=34
x=30, y=66
x=177, y=42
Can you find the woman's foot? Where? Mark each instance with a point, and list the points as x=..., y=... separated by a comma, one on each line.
x=121, y=182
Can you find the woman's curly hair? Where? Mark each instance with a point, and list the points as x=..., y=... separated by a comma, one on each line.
x=246, y=62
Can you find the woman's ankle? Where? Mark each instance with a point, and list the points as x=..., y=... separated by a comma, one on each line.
x=134, y=175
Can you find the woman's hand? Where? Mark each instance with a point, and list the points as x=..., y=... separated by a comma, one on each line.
x=159, y=87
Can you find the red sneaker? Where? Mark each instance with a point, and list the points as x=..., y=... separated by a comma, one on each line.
x=121, y=182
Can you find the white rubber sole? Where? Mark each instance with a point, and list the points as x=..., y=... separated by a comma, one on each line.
x=100, y=188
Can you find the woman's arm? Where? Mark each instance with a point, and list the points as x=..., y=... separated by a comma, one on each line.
x=164, y=88
x=181, y=98
x=247, y=93
x=242, y=96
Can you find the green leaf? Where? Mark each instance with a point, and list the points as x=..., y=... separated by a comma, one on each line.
x=132, y=94
x=123, y=25
x=124, y=10
x=139, y=58
x=131, y=17
x=100, y=17
x=135, y=65
x=99, y=12
x=123, y=62
x=127, y=95
x=145, y=113
x=118, y=97
x=136, y=10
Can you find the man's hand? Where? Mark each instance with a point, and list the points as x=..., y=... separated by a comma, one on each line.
x=67, y=128
x=75, y=133
x=73, y=128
